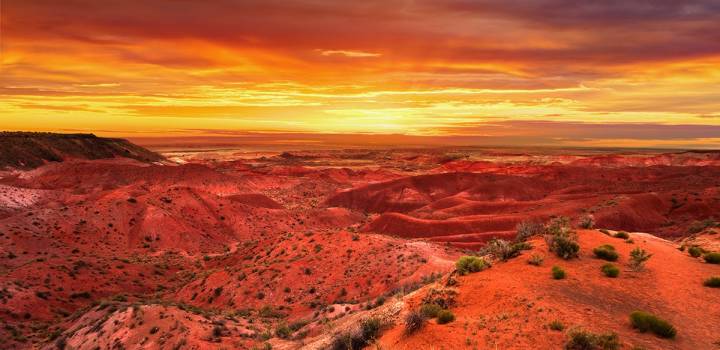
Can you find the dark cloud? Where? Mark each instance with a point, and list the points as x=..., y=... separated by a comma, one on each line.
x=587, y=33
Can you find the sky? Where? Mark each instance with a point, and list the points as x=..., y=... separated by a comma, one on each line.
x=512, y=72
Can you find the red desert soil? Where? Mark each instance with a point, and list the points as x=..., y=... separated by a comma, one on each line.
x=511, y=304
x=234, y=249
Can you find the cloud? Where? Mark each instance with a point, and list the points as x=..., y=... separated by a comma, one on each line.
x=348, y=53
x=568, y=130
x=419, y=67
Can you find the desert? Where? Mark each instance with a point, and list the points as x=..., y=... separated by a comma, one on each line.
x=298, y=249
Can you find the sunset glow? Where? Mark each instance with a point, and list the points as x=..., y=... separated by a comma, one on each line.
x=611, y=73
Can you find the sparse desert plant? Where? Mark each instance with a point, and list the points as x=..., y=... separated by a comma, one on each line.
x=586, y=221
x=430, y=310
x=712, y=258
x=370, y=328
x=558, y=273
x=712, y=282
x=561, y=239
x=565, y=247
x=218, y=331
x=644, y=321
x=470, y=264
x=358, y=338
x=558, y=226
x=699, y=226
x=606, y=252
x=584, y=340
x=610, y=270
x=500, y=249
x=638, y=257
x=536, y=259
x=695, y=251
x=622, y=234
x=604, y=231
x=504, y=250
x=445, y=316
x=283, y=331
x=414, y=321
x=528, y=228
x=556, y=325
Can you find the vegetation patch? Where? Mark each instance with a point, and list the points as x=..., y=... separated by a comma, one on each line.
x=583, y=340
x=470, y=264
x=558, y=273
x=430, y=310
x=712, y=258
x=561, y=239
x=528, y=228
x=638, y=258
x=644, y=322
x=504, y=250
x=699, y=226
x=556, y=325
x=359, y=338
x=606, y=252
x=610, y=270
x=712, y=282
x=695, y=251
x=622, y=235
x=586, y=222
x=414, y=321
x=536, y=260
x=445, y=316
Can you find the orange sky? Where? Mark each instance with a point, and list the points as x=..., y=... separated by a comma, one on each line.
x=559, y=72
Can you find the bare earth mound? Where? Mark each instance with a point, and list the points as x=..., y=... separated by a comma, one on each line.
x=27, y=150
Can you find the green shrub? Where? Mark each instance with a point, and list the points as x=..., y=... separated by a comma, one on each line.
x=606, y=252
x=583, y=340
x=370, y=328
x=586, y=221
x=430, y=310
x=610, y=270
x=470, y=264
x=445, y=316
x=561, y=239
x=558, y=226
x=502, y=249
x=527, y=229
x=283, y=331
x=558, y=273
x=414, y=321
x=622, y=234
x=536, y=260
x=358, y=338
x=712, y=282
x=699, y=226
x=522, y=246
x=712, y=258
x=695, y=251
x=564, y=246
x=556, y=325
x=638, y=257
x=644, y=322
